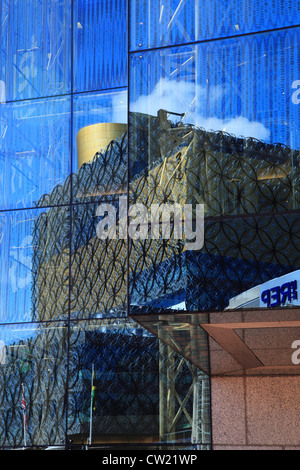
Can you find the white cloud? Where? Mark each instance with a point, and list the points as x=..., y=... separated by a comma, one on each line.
x=239, y=126
x=186, y=97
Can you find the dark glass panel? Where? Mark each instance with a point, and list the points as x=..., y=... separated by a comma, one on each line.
x=33, y=370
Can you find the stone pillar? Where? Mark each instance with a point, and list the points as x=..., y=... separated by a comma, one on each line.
x=255, y=413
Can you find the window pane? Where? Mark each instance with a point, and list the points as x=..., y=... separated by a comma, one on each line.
x=170, y=22
x=100, y=55
x=215, y=126
x=99, y=261
x=34, y=152
x=247, y=86
x=118, y=372
x=100, y=153
x=35, y=48
x=32, y=271
x=33, y=373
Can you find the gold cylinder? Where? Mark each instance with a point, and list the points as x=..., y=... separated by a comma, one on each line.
x=94, y=138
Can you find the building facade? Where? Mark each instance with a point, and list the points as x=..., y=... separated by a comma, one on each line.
x=149, y=233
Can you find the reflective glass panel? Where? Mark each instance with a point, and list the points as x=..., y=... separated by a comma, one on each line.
x=118, y=359
x=248, y=86
x=34, y=152
x=170, y=22
x=99, y=261
x=213, y=130
x=35, y=48
x=33, y=253
x=121, y=379
x=33, y=370
x=100, y=144
x=100, y=44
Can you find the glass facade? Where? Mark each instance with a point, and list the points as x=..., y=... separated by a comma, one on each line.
x=220, y=82
x=149, y=167
x=75, y=369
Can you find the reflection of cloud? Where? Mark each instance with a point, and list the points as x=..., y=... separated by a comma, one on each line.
x=2, y=91
x=186, y=97
x=239, y=126
x=172, y=95
x=2, y=352
x=119, y=107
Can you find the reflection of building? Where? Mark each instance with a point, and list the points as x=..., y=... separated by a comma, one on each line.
x=246, y=187
x=95, y=138
x=242, y=212
x=98, y=271
x=180, y=164
x=282, y=291
x=66, y=295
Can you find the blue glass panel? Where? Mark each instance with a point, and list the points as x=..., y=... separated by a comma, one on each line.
x=34, y=151
x=246, y=86
x=100, y=54
x=27, y=260
x=35, y=48
x=170, y=22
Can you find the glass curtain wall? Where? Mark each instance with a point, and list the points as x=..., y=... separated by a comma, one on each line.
x=214, y=123
x=213, y=132
x=63, y=331
x=214, y=101
x=75, y=370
